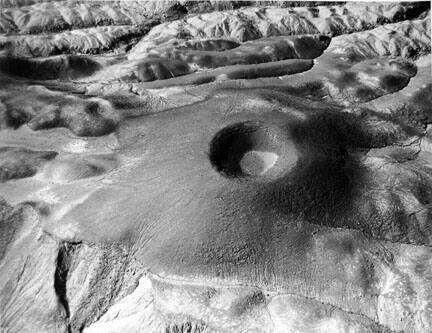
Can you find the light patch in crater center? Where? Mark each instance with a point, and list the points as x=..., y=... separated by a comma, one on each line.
x=257, y=163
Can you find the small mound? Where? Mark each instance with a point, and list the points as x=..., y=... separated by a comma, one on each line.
x=41, y=108
x=76, y=168
x=18, y=163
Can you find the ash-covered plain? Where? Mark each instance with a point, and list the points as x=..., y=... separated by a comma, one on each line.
x=215, y=166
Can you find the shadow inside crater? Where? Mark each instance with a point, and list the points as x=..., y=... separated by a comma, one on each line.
x=251, y=148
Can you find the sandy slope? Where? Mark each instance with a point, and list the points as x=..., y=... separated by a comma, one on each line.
x=215, y=167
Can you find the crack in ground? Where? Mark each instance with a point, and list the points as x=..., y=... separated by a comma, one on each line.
x=64, y=258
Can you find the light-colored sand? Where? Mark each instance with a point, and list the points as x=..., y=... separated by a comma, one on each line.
x=258, y=162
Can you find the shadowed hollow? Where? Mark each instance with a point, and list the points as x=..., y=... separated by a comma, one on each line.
x=252, y=149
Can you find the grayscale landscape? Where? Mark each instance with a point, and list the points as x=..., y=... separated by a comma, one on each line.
x=215, y=166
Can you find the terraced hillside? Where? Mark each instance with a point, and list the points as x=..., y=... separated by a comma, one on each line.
x=215, y=166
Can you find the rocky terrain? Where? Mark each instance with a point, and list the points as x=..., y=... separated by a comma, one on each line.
x=215, y=166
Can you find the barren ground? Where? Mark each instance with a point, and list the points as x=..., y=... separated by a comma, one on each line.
x=215, y=166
